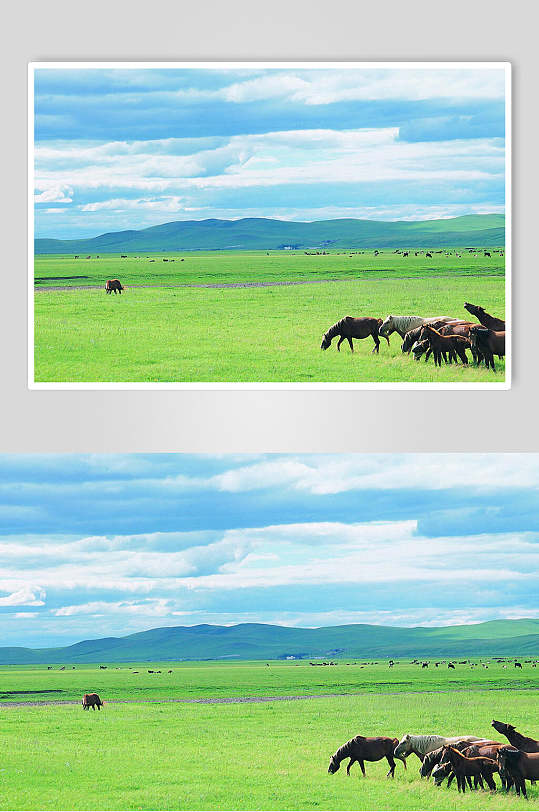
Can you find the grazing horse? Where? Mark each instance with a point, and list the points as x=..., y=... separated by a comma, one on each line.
x=411, y=336
x=452, y=345
x=114, y=285
x=515, y=738
x=365, y=748
x=519, y=766
x=401, y=324
x=464, y=767
x=489, y=343
x=350, y=328
x=91, y=701
x=484, y=318
x=421, y=745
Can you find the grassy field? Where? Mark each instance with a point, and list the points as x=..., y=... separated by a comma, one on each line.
x=271, y=755
x=261, y=334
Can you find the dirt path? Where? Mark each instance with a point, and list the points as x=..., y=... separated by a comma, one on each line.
x=234, y=700
x=257, y=284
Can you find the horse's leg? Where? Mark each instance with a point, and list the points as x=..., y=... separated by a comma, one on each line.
x=341, y=339
x=391, y=763
x=352, y=760
x=490, y=781
x=350, y=342
x=362, y=765
x=376, y=342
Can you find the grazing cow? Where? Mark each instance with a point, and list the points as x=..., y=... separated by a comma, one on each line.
x=489, y=343
x=365, y=748
x=114, y=285
x=492, y=322
x=63, y=668
x=518, y=665
x=349, y=328
x=487, y=253
x=91, y=701
x=424, y=665
x=77, y=256
x=450, y=665
x=123, y=256
x=428, y=255
x=519, y=766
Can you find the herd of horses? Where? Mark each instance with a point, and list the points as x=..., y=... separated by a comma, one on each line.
x=455, y=757
x=444, y=337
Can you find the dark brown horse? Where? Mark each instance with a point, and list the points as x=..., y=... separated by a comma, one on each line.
x=114, y=285
x=515, y=738
x=519, y=766
x=464, y=767
x=349, y=328
x=366, y=748
x=452, y=345
x=484, y=318
x=489, y=343
x=91, y=701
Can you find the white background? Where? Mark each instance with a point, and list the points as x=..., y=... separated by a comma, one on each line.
x=219, y=421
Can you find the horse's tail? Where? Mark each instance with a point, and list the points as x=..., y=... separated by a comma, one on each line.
x=380, y=322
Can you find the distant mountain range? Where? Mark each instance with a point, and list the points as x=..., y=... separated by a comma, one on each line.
x=253, y=641
x=264, y=234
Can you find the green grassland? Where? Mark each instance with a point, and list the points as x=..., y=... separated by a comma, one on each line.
x=271, y=755
x=261, y=334
x=217, y=267
x=199, y=680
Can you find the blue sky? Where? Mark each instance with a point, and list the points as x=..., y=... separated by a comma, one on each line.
x=120, y=149
x=100, y=545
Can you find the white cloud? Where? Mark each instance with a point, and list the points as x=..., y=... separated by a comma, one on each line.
x=26, y=596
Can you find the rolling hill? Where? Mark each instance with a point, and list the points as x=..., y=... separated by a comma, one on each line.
x=265, y=234
x=251, y=641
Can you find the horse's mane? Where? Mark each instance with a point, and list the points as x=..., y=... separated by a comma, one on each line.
x=344, y=750
x=334, y=330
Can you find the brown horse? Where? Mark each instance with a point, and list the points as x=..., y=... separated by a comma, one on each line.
x=519, y=766
x=515, y=738
x=484, y=318
x=366, y=748
x=464, y=767
x=489, y=343
x=91, y=701
x=350, y=328
x=453, y=345
x=114, y=285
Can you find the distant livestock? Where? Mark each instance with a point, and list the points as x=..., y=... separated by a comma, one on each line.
x=114, y=285
x=349, y=328
x=91, y=701
x=365, y=748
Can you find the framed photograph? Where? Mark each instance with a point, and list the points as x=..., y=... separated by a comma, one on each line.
x=269, y=632
x=270, y=225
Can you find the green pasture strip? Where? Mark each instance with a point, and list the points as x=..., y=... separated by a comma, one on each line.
x=268, y=334
x=216, y=267
x=250, y=756
x=216, y=680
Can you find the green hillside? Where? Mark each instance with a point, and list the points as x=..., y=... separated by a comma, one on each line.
x=259, y=233
x=251, y=641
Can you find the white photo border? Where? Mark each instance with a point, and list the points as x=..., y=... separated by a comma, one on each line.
x=238, y=65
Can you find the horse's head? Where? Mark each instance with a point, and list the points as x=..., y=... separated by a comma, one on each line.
x=440, y=772
x=404, y=747
x=386, y=326
x=333, y=765
x=326, y=342
x=501, y=727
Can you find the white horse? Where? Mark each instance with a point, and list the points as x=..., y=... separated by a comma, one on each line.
x=401, y=324
x=421, y=745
